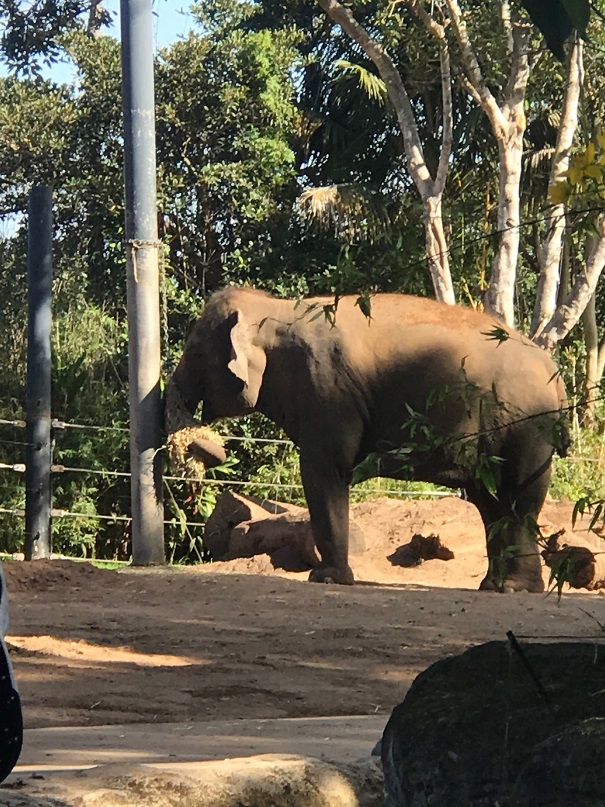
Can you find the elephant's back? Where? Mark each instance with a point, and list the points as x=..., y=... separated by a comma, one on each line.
x=449, y=345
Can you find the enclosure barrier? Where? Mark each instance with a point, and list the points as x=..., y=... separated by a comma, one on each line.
x=280, y=488
x=236, y=484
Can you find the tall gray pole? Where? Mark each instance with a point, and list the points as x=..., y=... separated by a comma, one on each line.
x=37, y=396
x=143, y=283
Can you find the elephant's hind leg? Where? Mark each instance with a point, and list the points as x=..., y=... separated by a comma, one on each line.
x=510, y=521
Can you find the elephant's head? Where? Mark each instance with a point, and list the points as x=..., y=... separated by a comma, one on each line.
x=223, y=362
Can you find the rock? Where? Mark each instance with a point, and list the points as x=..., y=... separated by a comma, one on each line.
x=271, y=534
x=420, y=548
x=566, y=769
x=357, y=541
x=276, y=508
x=262, y=781
x=230, y=509
x=475, y=731
x=241, y=527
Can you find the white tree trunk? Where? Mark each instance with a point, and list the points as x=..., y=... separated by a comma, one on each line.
x=437, y=250
x=571, y=309
x=590, y=393
x=552, y=247
x=508, y=125
x=500, y=297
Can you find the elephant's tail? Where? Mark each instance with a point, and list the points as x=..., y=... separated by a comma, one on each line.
x=562, y=436
x=563, y=441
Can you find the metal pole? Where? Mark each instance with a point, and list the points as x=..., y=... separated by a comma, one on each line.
x=37, y=397
x=143, y=283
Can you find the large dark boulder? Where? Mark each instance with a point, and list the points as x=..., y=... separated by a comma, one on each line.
x=497, y=727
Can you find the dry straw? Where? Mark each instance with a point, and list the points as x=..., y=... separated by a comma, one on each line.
x=183, y=431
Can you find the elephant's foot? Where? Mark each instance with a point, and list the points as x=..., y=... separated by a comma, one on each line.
x=332, y=574
x=513, y=584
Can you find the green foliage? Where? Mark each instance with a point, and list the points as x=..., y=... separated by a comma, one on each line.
x=373, y=86
x=586, y=506
x=584, y=183
x=34, y=30
x=225, y=159
x=581, y=475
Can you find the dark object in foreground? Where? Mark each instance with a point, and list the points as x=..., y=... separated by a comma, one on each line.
x=580, y=564
x=11, y=719
x=474, y=731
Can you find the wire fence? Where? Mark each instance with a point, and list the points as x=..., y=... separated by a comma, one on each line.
x=286, y=491
x=212, y=483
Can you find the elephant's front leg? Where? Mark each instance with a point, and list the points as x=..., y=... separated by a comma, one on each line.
x=327, y=494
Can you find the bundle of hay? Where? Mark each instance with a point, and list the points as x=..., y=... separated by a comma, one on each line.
x=192, y=448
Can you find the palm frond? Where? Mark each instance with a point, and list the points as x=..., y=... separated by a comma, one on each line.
x=373, y=86
x=538, y=160
x=352, y=211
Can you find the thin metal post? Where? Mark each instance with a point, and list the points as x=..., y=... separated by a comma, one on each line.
x=143, y=283
x=38, y=455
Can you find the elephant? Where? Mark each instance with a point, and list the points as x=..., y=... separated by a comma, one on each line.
x=409, y=389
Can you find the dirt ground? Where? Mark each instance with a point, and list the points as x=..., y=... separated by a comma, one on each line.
x=244, y=640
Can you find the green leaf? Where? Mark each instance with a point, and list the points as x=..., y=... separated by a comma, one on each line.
x=373, y=86
x=498, y=333
x=365, y=305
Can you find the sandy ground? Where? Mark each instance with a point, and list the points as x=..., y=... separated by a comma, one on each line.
x=244, y=640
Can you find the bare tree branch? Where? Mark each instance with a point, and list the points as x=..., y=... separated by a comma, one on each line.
x=569, y=312
x=397, y=93
x=438, y=32
x=516, y=86
x=475, y=76
x=447, y=138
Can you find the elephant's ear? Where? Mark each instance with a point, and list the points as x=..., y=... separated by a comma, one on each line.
x=248, y=361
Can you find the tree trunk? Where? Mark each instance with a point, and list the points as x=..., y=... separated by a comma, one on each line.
x=430, y=189
x=508, y=125
x=565, y=282
x=569, y=312
x=500, y=296
x=590, y=392
x=552, y=248
x=437, y=250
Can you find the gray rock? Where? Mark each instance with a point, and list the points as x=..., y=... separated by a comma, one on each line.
x=475, y=730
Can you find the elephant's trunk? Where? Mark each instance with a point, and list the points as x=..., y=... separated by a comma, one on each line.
x=191, y=445
x=186, y=388
x=179, y=410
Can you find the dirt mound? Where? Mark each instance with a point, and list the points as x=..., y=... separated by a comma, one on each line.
x=389, y=527
x=166, y=644
x=41, y=575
